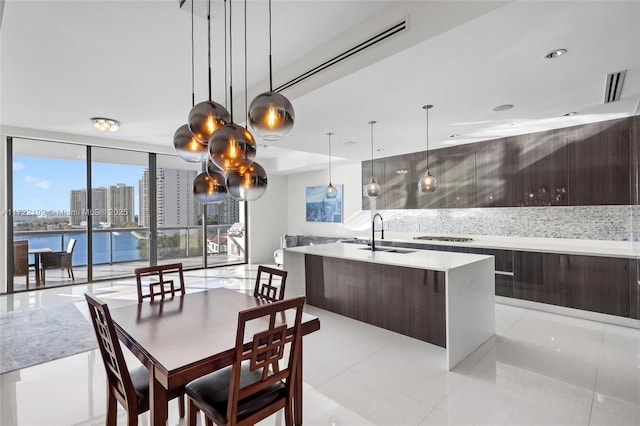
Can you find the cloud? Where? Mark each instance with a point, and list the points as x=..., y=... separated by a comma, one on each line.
x=37, y=182
x=17, y=165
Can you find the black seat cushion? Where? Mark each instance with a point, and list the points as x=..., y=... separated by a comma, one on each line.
x=140, y=380
x=212, y=392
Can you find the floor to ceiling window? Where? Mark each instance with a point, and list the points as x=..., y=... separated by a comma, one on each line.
x=113, y=210
x=45, y=174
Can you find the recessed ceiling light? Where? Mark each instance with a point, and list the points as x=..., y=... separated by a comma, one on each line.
x=502, y=107
x=569, y=114
x=104, y=124
x=380, y=149
x=350, y=142
x=555, y=53
x=454, y=135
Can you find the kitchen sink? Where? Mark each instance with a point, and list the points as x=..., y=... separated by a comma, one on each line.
x=444, y=238
x=390, y=250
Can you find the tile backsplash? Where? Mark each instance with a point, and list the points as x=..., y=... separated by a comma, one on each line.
x=616, y=223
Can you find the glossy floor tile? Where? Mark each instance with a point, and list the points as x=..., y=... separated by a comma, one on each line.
x=539, y=369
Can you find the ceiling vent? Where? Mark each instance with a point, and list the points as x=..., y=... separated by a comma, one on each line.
x=613, y=86
x=370, y=42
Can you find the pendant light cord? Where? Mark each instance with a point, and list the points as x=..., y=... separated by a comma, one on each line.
x=226, y=93
x=193, y=90
x=246, y=102
x=427, y=111
x=209, y=44
x=372, y=123
x=270, y=63
x=231, y=60
x=329, y=134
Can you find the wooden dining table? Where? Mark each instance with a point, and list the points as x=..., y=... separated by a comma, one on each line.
x=182, y=338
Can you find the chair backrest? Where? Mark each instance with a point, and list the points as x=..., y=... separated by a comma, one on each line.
x=276, y=336
x=21, y=257
x=152, y=281
x=71, y=245
x=268, y=288
x=118, y=378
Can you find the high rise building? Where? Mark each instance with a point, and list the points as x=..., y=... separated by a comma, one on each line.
x=120, y=206
x=79, y=210
x=143, y=199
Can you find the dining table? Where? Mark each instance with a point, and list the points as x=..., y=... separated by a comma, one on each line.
x=37, y=261
x=185, y=337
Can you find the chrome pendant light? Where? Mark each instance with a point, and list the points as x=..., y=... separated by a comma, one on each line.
x=373, y=188
x=331, y=192
x=186, y=145
x=271, y=114
x=208, y=116
x=246, y=180
x=209, y=189
x=427, y=183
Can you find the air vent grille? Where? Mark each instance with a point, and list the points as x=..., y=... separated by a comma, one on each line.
x=613, y=86
x=370, y=42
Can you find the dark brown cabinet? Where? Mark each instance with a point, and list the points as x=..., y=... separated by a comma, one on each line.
x=590, y=283
x=398, y=191
x=542, y=177
x=496, y=164
x=599, y=164
x=409, y=301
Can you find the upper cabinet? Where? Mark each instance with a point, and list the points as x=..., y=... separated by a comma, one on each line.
x=599, y=164
x=593, y=164
x=496, y=166
x=542, y=175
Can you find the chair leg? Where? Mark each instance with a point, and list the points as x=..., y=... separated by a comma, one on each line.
x=70, y=273
x=112, y=410
x=288, y=414
x=181, y=406
x=192, y=413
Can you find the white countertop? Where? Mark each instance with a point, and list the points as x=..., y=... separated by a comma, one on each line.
x=624, y=249
x=421, y=259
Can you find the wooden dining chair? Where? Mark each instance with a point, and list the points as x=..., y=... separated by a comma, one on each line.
x=255, y=386
x=152, y=281
x=129, y=388
x=59, y=260
x=21, y=259
x=268, y=288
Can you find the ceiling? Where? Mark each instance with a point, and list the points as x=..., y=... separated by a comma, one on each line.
x=63, y=62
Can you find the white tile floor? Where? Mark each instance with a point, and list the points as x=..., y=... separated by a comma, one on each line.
x=539, y=369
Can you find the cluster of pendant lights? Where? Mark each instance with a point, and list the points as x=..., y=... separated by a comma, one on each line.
x=227, y=149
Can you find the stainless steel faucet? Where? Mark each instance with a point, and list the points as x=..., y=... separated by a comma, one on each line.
x=373, y=230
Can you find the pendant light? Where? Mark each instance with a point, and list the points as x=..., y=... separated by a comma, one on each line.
x=186, y=145
x=248, y=181
x=232, y=147
x=209, y=189
x=373, y=189
x=427, y=183
x=206, y=117
x=331, y=192
x=271, y=114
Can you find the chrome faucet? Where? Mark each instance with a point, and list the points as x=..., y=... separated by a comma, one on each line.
x=373, y=230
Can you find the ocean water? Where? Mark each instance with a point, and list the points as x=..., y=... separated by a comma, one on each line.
x=125, y=246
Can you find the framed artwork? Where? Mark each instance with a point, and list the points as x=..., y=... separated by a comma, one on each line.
x=322, y=209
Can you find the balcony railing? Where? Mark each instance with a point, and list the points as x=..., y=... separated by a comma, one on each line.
x=117, y=245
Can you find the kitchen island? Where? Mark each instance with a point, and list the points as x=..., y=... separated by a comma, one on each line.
x=442, y=298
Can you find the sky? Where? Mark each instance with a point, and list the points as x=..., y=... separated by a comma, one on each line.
x=45, y=183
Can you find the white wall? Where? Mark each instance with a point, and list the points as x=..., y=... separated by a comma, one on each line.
x=268, y=221
x=355, y=221
x=3, y=209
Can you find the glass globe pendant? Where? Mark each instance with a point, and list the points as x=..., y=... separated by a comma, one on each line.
x=271, y=116
x=188, y=147
x=427, y=183
x=207, y=117
x=330, y=192
x=231, y=147
x=248, y=182
x=208, y=189
x=373, y=188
